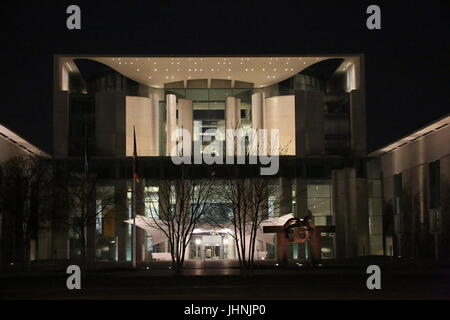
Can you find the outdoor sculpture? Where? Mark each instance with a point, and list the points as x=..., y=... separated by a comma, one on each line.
x=296, y=230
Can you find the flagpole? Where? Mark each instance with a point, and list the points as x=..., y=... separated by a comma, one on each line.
x=134, y=202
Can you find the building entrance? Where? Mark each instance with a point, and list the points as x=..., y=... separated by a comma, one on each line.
x=207, y=246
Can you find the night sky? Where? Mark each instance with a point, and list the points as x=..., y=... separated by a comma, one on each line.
x=407, y=61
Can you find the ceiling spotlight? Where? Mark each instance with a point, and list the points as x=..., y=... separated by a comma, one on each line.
x=138, y=69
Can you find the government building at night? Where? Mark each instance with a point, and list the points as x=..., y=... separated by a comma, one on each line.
x=317, y=104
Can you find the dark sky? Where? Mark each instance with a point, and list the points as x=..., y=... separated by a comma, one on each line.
x=407, y=61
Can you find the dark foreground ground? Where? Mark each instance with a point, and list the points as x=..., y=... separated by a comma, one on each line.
x=221, y=280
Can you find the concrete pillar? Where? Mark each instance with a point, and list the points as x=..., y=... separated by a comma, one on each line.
x=316, y=254
x=351, y=213
x=285, y=195
x=301, y=209
x=140, y=210
x=185, y=121
x=121, y=214
x=301, y=198
x=309, y=123
x=154, y=118
x=358, y=123
x=282, y=245
x=60, y=124
x=232, y=121
x=257, y=110
x=171, y=122
x=91, y=234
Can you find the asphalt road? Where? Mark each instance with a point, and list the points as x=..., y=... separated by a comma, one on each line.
x=222, y=281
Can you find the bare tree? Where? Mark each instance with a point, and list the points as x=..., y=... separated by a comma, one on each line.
x=24, y=197
x=246, y=202
x=84, y=201
x=181, y=204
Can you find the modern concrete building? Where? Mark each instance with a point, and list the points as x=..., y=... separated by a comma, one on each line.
x=11, y=146
x=415, y=176
x=316, y=102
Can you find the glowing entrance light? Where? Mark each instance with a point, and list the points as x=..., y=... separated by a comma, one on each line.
x=198, y=241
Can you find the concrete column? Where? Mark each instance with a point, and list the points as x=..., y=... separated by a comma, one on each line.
x=185, y=121
x=351, y=213
x=121, y=214
x=309, y=123
x=237, y=112
x=316, y=254
x=285, y=195
x=171, y=122
x=140, y=210
x=91, y=233
x=257, y=110
x=301, y=198
x=232, y=121
x=154, y=118
x=60, y=124
x=282, y=246
x=358, y=123
x=301, y=209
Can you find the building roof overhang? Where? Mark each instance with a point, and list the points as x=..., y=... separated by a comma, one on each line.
x=430, y=128
x=261, y=71
x=14, y=138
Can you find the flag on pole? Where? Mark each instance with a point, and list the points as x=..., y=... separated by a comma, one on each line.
x=135, y=168
x=135, y=180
